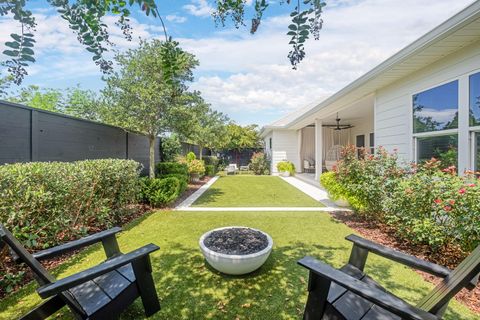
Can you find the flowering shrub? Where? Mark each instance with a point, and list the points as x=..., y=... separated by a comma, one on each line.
x=368, y=179
x=259, y=163
x=425, y=204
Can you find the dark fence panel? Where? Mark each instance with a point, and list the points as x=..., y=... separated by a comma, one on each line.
x=28, y=134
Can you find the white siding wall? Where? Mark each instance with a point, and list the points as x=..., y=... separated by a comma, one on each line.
x=393, y=105
x=285, y=147
x=363, y=127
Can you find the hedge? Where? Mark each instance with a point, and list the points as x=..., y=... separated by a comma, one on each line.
x=46, y=203
x=424, y=203
x=164, y=168
x=160, y=192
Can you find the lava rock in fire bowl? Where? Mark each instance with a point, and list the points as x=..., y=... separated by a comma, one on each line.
x=236, y=250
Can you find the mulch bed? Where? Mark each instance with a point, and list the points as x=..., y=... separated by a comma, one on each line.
x=385, y=235
x=236, y=241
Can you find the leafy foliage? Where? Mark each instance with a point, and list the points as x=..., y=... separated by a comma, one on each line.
x=242, y=137
x=259, y=164
x=143, y=94
x=83, y=17
x=306, y=21
x=160, y=192
x=286, y=166
x=72, y=101
x=170, y=147
x=424, y=203
x=46, y=203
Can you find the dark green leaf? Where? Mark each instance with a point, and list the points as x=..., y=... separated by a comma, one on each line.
x=11, y=53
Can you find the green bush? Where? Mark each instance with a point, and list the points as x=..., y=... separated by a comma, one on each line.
x=183, y=179
x=164, y=168
x=46, y=203
x=286, y=166
x=424, y=204
x=210, y=170
x=162, y=192
x=196, y=167
x=259, y=164
x=191, y=156
x=211, y=160
x=170, y=148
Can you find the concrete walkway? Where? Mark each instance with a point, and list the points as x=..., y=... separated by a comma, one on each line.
x=190, y=200
x=314, y=192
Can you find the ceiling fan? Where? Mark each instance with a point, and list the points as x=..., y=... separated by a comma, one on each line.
x=338, y=126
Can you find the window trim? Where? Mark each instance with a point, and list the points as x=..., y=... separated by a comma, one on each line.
x=444, y=133
x=467, y=76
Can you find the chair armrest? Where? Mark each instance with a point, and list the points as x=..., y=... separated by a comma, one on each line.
x=400, y=257
x=94, y=272
x=381, y=298
x=76, y=244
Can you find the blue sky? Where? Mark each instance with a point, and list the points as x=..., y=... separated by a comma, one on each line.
x=247, y=77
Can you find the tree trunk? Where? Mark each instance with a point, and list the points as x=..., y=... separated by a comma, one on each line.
x=151, y=170
x=200, y=151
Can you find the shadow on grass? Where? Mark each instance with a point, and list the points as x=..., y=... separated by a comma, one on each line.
x=210, y=196
x=191, y=289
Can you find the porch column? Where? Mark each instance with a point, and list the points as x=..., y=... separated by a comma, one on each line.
x=318, y=148
x=299, y=166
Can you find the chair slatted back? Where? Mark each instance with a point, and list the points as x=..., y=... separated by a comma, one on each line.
x=41, y=274
x=452, y=284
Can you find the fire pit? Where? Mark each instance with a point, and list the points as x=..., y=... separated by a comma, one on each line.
x=236, y=250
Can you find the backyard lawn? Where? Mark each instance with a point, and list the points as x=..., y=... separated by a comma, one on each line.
x=191, y=290
x=254, y=191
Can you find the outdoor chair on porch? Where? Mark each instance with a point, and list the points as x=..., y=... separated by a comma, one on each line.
x=101, y=292
x=348, y=293
x=308, y=166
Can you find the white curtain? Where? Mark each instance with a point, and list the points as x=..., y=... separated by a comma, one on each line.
x=333, y=137
x=307, y=147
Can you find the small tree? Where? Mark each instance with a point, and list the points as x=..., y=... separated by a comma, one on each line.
x=242, y=137
x=207, y=127
x=144, y=94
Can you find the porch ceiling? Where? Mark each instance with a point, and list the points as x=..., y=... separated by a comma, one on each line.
x=458, y=32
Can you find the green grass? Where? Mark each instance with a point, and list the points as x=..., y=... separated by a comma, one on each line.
x=254, y=191
x=189, y=289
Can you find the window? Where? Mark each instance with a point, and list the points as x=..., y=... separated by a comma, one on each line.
x=436, y=109
x=270, y=143
x=443, y=148
x=360, y=144
x=371, y=143
x=475, y=99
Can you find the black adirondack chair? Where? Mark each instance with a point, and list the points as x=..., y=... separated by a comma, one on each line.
x=348, y=293
x=101, y=292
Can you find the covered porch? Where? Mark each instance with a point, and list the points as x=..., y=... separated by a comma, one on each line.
x=320, y=141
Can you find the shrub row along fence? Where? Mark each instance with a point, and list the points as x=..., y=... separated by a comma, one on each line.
x=423, y=203
x=28, y=134
x=45, y=204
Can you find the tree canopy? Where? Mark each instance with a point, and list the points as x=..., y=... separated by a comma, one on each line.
x=85, y=19
x=140, y=96
x=242, y=137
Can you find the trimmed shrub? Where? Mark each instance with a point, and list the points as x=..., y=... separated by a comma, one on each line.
x=259, y=164
x=286, y=166
x=170, y=147
x=162, y=192
x=190, y=156
x=211, y=160
x=46, y=203
x=196, y=167
x=210, y=170
x=183, y=179
x=164, y=168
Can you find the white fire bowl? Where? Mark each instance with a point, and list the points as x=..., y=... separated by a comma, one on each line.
x=235, y=264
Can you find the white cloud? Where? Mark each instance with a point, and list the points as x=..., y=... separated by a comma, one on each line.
x=199, y=8
x=357, y=36
x=175, y=18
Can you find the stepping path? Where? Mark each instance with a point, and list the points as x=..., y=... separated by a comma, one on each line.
x=316, y=193
x=190, y=200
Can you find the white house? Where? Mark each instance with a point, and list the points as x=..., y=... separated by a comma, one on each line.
x=422, y=102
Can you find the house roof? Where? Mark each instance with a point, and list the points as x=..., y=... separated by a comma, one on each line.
x=457, y=32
